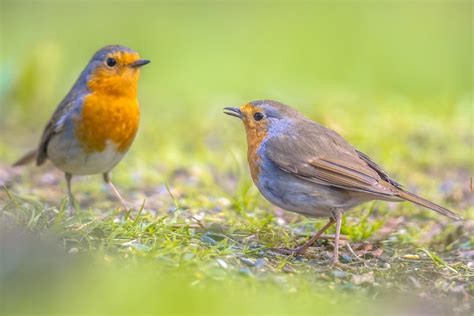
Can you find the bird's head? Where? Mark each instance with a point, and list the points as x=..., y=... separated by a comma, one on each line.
x=114, y=69
x=263, y=116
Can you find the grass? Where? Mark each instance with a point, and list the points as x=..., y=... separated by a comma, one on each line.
x=193, y=238
x=197, y=239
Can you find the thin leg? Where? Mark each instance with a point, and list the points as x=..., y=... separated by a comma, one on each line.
x=70, y=196
x=115, y=191
x=337, y=214
x=301, y=249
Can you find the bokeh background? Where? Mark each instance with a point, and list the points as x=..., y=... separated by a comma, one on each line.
x=393, y=77
x=362, y=67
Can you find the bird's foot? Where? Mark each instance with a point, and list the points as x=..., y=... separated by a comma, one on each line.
x=71, y=210
x=72, y=205
x=289, y=252
x=335, y=263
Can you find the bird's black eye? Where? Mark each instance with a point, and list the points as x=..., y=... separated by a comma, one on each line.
x=111, y=62
x=258, y=116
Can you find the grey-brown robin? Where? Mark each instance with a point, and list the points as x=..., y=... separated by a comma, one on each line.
x=304, y=167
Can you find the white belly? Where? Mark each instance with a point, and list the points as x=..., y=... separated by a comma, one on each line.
x=70, y=157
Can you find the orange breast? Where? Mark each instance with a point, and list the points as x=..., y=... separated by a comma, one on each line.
x=108, y=117
x=254, y=138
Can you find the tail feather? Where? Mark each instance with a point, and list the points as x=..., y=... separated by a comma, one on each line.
x=27, y=158
x=428, y=204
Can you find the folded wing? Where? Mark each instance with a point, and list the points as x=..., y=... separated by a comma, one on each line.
x=317, y=154
x=322, y=156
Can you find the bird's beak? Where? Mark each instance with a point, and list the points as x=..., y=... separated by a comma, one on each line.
x=139, y=63
x=233, y=112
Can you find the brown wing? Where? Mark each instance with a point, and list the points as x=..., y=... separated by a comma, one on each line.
x=41, y=154
x=320, y=155
x=56, y=124
x=379, y=170
x=66, y=108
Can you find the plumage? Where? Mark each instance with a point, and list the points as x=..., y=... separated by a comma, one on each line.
x=304, y=167
x=94, y=125
x=317, y=154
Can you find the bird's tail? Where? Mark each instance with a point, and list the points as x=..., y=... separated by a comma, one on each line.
x=27, y=158
x=428, y=204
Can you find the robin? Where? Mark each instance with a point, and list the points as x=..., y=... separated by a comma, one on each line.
x=95, y=124
x=304, y=167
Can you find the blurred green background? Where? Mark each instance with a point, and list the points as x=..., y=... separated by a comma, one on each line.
x=393, y=77
x=354, y=65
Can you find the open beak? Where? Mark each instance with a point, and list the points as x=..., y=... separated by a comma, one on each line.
x=233, y=112
x=139, y=63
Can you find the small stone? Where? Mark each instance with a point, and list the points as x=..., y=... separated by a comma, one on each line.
x=223, y=264
x=339, y=274
x=245, y=271
x=248, y=261
x=367, y=278
x=385, y=266
x=73, y=251
x=345, y=259
x=260, y=263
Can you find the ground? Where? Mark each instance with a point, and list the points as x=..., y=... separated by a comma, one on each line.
x=188, y=231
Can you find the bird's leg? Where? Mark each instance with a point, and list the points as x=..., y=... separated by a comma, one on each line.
x=337, y=217
x=115, y=191
x=70, y=196
x=301, y=249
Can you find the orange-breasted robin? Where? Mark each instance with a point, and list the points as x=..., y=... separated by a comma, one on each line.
x=304, y=167
x=95, y=124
